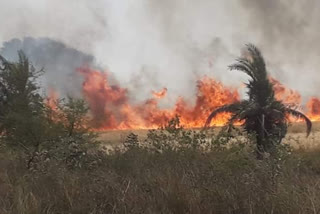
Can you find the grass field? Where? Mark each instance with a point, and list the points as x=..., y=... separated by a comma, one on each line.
x=138, y=180
x=296, y=136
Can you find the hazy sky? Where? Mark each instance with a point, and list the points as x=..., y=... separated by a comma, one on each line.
x=149, y=44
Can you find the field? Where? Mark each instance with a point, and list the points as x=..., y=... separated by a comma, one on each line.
x=138, y=180
x=296, y=136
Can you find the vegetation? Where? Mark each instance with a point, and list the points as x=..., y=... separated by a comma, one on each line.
x=263, y=115
x=51, y=163
x=22, y=110
x=74, y=116
x=27, y=123
x=225, y=179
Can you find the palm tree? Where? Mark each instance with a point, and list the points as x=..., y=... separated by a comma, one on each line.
x=262, y=114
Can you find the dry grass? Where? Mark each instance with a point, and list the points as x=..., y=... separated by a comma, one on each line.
x=296, y=136
x=222, y=181
x=117, y=137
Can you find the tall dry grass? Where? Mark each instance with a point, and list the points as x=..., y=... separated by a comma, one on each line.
x=173, y=181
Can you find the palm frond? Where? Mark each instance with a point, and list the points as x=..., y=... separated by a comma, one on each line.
x=258, y=62
x=245, y=66
x=256, y=55
x=231, y=108
x=300, y=115
x=3, y=63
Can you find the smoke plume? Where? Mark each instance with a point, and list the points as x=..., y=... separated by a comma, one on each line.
x=57, y=60
x=151, y=44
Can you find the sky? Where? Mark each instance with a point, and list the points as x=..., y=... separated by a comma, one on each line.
x=150, y=44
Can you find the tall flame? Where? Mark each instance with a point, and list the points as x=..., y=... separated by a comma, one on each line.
x=313, y=107
x=288, y=96
x=51, y=100
x=111, y=110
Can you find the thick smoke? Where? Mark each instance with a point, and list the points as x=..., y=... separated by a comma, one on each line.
x=287, y=31
x=150, y=44
x=57, y=60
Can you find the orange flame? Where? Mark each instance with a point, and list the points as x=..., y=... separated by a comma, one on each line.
x=313, y=107
x=52, y=98
x=160, y=94
x=52, y=104
x=288, y=96
x=111, y=110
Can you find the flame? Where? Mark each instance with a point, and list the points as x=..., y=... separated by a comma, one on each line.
x=160, y=94
x=313, y=106
x=51, y=100
x=111, y=109
x=286, y=95
x=210, y=95
x=52, y=105
x=105, y=100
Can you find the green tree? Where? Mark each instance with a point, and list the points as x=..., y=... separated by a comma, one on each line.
x=71, y=123
x=262, y=114
x=21, y=105
x=74, y=116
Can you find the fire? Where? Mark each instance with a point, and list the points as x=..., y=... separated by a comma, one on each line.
x=293, y=98
x=210, y=95
x=52, y=105
x=313, y=107
x=52, y=98
x=160, y=94
x=111, y=109
x=288, y=96
x=105, y=100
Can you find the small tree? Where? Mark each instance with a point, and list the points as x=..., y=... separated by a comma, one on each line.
x=74, y=116
x=21, y=106
x=71, y=122
x=263, y=115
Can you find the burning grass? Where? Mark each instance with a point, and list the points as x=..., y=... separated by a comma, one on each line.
x=111, y=108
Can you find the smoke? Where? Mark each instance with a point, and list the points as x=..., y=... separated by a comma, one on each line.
x=287, y=32
x=73, y=22
x=151, y=44
x=57, y=60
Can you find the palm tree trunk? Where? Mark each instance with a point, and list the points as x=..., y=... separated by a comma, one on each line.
x=262, y=127
x=261, y=138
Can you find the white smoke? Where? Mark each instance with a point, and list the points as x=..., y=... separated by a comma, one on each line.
x=176, y=41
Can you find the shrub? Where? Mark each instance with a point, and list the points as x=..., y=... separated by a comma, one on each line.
x=22, y=110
